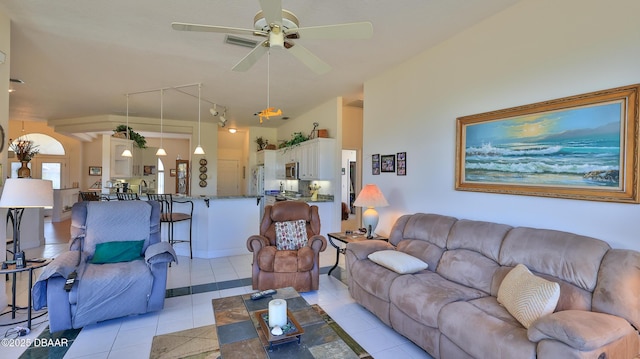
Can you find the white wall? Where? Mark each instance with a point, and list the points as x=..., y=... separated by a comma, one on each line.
x=5, y=46
x=534, y=51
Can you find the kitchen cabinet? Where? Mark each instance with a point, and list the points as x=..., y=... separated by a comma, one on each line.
x=119, y=166
x=315, y=158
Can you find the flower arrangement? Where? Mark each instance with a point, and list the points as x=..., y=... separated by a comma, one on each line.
x=25, y=150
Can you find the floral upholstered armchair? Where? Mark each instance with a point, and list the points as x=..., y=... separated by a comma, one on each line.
x=286, y=253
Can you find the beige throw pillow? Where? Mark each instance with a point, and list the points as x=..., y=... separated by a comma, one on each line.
x=526, y=296
x=398, y=262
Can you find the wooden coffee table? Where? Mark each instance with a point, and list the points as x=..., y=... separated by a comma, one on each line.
x=241, y=335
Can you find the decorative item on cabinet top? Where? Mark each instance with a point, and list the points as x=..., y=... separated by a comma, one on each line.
x=203, y=172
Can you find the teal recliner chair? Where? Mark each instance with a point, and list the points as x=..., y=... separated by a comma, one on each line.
x=119, y=261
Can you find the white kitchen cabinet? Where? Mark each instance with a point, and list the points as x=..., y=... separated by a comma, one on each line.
x=317, y=159
x=119, y=166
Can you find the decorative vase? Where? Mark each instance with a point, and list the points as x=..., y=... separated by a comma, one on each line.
x=24, y=171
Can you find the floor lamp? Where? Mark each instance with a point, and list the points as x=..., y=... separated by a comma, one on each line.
x=21, y=193
x=370, y=197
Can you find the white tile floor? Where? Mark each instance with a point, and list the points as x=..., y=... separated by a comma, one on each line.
x=131, y=337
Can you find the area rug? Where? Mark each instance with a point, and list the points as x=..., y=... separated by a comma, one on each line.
x=202, y=342
x=196, y=343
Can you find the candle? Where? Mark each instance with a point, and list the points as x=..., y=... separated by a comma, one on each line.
x=277, y=313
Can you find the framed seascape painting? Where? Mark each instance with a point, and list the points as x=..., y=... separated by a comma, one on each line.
x=579, y=147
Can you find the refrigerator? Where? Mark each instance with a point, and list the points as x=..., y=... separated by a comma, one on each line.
x=257, y=186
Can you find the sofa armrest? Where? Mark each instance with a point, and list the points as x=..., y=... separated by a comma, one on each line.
x=362, y=249
x=161, y=252
x=256, y=242
x=318, y=243
x=580, y=329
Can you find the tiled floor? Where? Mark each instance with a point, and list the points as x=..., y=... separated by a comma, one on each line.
x=131, y=337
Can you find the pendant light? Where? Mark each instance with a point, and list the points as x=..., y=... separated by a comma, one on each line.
x=161, y=151
x=127, y=151
x=199, y=150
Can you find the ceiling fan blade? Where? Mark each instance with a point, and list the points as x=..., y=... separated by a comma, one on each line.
x=181, y=26
x=272, y=11
x=308, y=58
x=251, y=58
x=356, y=30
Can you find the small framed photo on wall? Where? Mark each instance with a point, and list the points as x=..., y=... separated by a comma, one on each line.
x=95, y=171
x=375, y=164
x=402, y=164
x=388, y=163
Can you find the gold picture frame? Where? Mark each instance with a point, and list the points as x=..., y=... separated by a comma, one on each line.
x=579, y=147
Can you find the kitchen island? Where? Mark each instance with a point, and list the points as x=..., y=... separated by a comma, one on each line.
x=221, y=225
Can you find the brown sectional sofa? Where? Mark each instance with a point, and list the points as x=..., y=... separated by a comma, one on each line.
x=451, y=308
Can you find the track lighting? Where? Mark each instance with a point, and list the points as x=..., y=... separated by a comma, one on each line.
x=214, y=110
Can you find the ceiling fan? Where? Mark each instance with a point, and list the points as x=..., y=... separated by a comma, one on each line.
x=281, y=27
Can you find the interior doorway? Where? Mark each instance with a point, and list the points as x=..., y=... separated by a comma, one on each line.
x=228, y=178
x=350, y=186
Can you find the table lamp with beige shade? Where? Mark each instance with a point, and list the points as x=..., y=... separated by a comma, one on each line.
x=370, y=197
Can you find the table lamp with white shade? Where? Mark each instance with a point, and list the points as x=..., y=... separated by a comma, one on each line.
x=21, y=193
x=370, y=197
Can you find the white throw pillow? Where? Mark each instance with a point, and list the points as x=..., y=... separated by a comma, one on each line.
x=398, y=262
x=526, y=296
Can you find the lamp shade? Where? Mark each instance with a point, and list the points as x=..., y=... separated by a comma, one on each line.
x=27, y=193
x=370, y=196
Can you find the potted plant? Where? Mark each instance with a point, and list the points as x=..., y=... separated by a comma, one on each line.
x=137, y=138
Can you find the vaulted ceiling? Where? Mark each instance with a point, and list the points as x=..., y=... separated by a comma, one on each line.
x=79, y=58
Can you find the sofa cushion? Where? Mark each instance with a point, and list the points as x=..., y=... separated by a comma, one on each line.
x=422, y=295
x=570, y=257
x=397, y=261
x=468, y=268
x=432, y=228
x=485, y=329
x=133, y=218
x=526, y=296
x=291, y=235
x=482, y=237
x=619, y=285
x=373, y=278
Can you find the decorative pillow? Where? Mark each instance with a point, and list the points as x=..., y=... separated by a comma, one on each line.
x=116, y=252
x=291, y=235
x=397, y=261
x=526, y=296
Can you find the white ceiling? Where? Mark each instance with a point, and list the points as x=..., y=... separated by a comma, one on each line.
x=79, y=58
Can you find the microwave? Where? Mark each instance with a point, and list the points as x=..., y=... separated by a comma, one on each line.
x=291, y=171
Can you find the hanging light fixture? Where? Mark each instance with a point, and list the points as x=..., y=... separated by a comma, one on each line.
x=161, y=151
x=127, y=151
x=269, y=111
x=199, y=150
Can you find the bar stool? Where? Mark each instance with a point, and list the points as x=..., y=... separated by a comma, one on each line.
x=127, y=196
x=167, y=215
x=92, y=196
